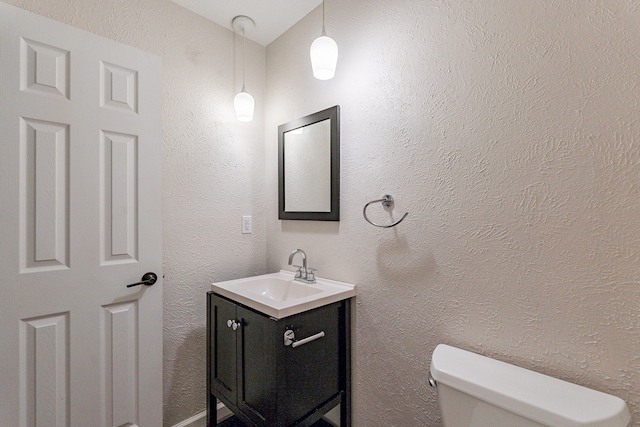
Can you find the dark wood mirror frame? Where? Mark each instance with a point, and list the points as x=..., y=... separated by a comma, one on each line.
x=333, y=114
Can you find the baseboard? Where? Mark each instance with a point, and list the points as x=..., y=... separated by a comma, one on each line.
x=200, y=419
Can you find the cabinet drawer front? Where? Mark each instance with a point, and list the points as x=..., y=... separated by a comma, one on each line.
x=223, y=348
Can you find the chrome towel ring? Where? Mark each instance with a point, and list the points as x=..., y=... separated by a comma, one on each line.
x=387, y=201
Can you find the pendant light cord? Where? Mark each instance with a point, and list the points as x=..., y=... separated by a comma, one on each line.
x=324, y=33
x=243, y=48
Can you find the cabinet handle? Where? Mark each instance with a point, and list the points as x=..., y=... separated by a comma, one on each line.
x=233, y=324
x=290, y=338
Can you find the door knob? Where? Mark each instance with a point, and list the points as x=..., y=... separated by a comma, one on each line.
x=148, y=279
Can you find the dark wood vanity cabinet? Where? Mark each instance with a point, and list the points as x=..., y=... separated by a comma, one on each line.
x=266, y=383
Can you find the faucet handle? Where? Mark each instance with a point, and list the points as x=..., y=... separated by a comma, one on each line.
x=299, y=272
x=311, y=274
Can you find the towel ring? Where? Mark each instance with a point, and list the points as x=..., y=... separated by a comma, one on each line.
x=387, y=201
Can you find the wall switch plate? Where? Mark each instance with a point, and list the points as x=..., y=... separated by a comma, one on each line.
x=246, y=224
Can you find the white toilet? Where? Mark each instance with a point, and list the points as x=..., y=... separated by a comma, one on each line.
x=476, y=391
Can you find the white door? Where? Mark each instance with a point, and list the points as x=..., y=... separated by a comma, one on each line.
x=80, y=218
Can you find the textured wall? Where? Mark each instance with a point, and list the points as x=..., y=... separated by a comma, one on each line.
x=509, y=130
x=213, y=166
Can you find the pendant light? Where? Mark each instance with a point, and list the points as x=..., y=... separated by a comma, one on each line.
x=243, y=101
x=324, y=54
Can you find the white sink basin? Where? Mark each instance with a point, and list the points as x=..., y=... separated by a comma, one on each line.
x=278, y=289
x=278, y=295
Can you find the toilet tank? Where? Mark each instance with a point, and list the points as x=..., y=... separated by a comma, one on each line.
x=477, y=391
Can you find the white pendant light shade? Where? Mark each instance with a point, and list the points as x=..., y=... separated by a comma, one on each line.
x=324, y=57
x=244, y=105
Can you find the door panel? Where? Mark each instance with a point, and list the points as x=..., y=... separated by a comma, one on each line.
x=44, y=369
x=44, y=195
x=118, y=197
x=80, y=218
x=119, y=326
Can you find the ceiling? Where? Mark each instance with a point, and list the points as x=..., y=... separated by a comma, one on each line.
x=272, y=17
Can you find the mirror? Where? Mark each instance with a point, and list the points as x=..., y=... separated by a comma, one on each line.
x=309, y=167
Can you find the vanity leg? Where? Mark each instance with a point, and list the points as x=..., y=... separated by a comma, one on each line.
x=345, y=406
x=212, y=407
x=212, y=411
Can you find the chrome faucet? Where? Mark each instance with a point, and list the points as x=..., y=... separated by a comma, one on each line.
x=304, y=274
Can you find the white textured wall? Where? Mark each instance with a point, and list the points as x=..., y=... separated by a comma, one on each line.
x=510, y=131
x=213, y=166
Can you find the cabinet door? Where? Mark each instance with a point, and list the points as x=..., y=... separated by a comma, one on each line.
x=257, y=392
x=309, y=374
x=223, y=348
